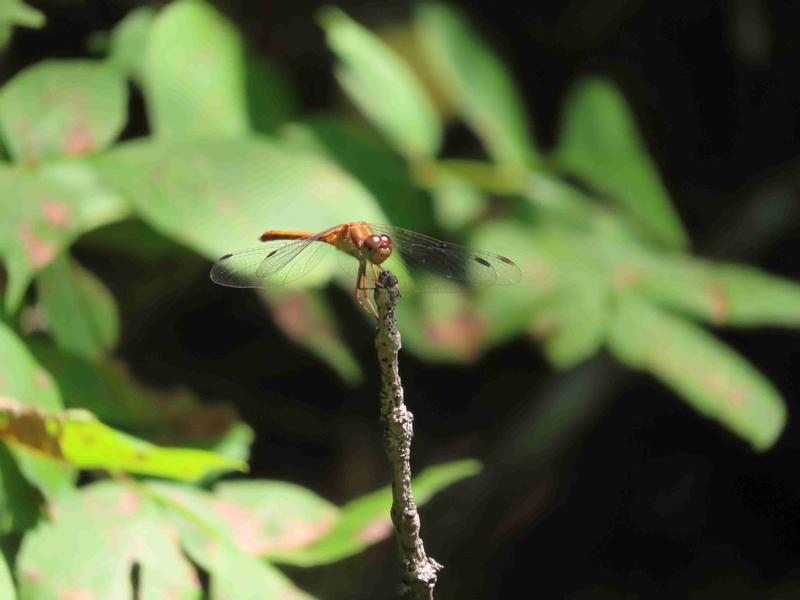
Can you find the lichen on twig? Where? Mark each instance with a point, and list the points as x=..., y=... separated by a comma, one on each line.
x=419, y=571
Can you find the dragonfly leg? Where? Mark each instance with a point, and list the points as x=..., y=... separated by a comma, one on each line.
x=361, y=287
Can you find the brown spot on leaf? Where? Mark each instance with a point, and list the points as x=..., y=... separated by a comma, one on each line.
x=375, y=531
x=34, y=576
x=76, y=595
x=79, y=139
x=56, y=213
x=255, y=537
x=626, y=277
x=719, y=304
x=39, y=251
x=128, y=504
x=41, y=379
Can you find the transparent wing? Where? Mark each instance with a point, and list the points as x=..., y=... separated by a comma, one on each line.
x=270, y=264
x=452, y=261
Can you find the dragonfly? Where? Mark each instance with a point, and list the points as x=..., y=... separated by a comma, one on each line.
x=286, y=256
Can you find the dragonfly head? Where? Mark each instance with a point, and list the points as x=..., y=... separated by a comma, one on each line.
x=377, y=248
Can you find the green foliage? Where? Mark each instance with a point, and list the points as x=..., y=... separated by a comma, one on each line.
x=228, y=154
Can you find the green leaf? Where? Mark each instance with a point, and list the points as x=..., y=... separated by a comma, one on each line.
x=722, y=294
x=271, y=99
x=45, y=211
x=23, y=379
x=214, y=532
x=601, y=143
x=574, y=324
x=715, y=380
x=195, y=74
x=477, y=82
x=366, y=521
x=376, y=167
x=306, y=317
x=14, y=12
x=216, y=196
x=81, y=313
x=62, y=108
x=77, y=438
x=19, y=500
x=382, y=86
x=129, y=40
x=457, y=203
x=118, y=527
x=6, y=583
x=273, y=516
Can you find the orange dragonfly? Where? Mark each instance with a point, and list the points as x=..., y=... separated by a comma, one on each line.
x=288, y=255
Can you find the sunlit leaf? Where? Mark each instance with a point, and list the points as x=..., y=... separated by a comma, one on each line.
x=195, y=73
x=219, y=195
x=376, y=167
x=477, y=82
x=600, y=142
x=306, y=318
x=219, y=534
x=6, y=582
x=81, y=313
x=62, y=108
x=129, y=40
x=22, y=378
x=457, y=203
x=365, y=521
x=723, y=294
x=383, y=87
x=715, y=380
x=267, y=517
x=118, y=527
x=45, y=211
x=77, y=438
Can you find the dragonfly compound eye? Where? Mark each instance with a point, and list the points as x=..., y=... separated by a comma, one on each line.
x=373, y=242
x=386, y=241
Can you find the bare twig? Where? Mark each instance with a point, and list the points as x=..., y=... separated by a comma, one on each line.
x=419, y=569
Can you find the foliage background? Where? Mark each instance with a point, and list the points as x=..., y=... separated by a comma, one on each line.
x=597, y=482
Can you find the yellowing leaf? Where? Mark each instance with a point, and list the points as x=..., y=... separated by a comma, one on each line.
x=76, y=437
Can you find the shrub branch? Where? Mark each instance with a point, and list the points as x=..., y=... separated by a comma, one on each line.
x=419, y=571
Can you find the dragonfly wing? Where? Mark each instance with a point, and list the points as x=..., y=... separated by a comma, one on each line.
x=449, y=260
x=270, y=264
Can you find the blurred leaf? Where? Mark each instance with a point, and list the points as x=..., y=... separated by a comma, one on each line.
x=271, y=99
x=456, y=202
x=241, y=576
x=382, y=86
x=477, y=82
x=265, y=517
x=118, y=527
x=129, y=40
x=62, y=107
x=23, y=379
x=715, y=380
x=305, y=317
x=14, y=12
x=720, y=293
x=220, y=195
x=574, y=325
x=6, y=583
x=46, y=210
x=375, y=166
x=19, y=500
x=214, y=533
x=195, y=73
x=81, y=313
x=79, y=439
x=601, y=143
x=366, y=520
x=110, y=393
